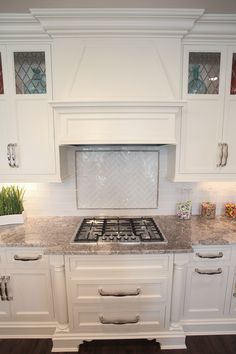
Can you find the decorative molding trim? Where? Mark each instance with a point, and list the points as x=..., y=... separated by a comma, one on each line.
x=20, y=26
x=122, y=22
x=121, y=105
x=214, y=26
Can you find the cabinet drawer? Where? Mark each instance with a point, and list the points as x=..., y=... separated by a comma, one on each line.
x=25, y=257
x=99, y=318
x=122, y=292
x=208, y=254
x=118, y=266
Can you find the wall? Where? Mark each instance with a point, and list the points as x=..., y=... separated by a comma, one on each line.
x=60, y=198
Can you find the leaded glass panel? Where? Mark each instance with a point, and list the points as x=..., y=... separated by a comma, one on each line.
x=1, y=77
x=30, y=72
x=233, y=76
x=204, y=73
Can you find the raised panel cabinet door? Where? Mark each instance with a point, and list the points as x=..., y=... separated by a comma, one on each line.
x=229, y=130
x=32, y=295
x=202, y=121
x=30, y=79
x=7, y=119
x=205, y=291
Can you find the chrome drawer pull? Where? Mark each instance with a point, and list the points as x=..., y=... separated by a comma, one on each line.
x=119, y=321
x=209, y=271
x=234, y=293
x=220, y=155
x=119, y=293
x=27, y=259
x=210, y=256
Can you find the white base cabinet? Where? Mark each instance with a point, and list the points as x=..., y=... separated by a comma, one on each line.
x=26, y=303
x=209, y=295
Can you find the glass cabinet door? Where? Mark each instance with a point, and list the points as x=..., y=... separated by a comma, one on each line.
x=204, y=73
x=233, y=76
x=1, y=77
x=30, y=73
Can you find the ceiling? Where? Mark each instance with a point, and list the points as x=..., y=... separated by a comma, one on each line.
x=211, y=6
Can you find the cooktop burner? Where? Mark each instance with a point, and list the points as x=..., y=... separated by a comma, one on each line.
x=118, y=230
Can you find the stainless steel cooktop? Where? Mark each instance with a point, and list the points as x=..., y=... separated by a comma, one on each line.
x=124, y=230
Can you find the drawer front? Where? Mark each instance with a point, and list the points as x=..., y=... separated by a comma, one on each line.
x=118, y=266
x=113, y=292
x=24, y=258
x=208, y=254
x=102, y=319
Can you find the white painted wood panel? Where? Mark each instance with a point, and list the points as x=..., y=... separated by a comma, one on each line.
x=142, y=290
x=205, y=294
x=87, y=318
x=116, y=69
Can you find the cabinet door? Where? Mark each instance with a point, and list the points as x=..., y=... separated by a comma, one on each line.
x=7, y=119
x=229, y=136
x=32, y=295
x=30, y=87
x=202, y=124
x=205, y=294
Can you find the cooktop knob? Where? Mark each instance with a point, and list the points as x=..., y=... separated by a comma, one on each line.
x=126, y=237
x=111, y=237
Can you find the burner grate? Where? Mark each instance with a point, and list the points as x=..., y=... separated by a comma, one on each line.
x=118, y=230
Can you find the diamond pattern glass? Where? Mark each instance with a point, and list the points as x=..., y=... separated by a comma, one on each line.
x=233, y=76
x=204, y=73
x=30, y=72
x=1, y=77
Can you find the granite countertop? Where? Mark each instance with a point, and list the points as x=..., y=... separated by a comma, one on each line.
x=54, y=235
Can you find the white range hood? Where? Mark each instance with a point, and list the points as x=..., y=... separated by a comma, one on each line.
x=116, y=75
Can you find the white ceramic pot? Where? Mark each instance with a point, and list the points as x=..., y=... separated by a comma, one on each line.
x=12, y=219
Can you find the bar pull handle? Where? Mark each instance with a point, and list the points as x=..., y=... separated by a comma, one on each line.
x=119, y=321
x=119, y=293
x=27, y=259
x=6, y=281
x=210, y=256
x=2, y=290
x=234, y=293
x=11, y=155
x=220, y=155
x=225, y=150
x=208, y=271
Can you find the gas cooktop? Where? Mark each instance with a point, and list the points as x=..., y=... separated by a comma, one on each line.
x=124, y=230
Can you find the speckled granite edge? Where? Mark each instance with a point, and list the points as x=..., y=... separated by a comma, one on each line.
x=54, y=236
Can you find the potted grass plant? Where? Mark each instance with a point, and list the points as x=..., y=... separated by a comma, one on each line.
x=11, y=205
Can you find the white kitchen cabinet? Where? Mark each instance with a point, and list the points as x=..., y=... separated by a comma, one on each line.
x=206, y=283
x=117, y=296
x=26, y=295
x=27, y=128
x=207, y=137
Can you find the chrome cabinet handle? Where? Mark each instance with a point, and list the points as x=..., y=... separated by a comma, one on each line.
x=1, y=289
x=4, y=289
x=208, y=271
x=210, y=256
x=119, y=293
x=11, y=155
x=6, y=281
x=225, y=150
x=27, y=259
x=119, y=321
x=234, y=293
x=220, y=156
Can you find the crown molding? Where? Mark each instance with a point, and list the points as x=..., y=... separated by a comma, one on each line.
x=214, y=26
x=99, y=22
x=20, y=26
